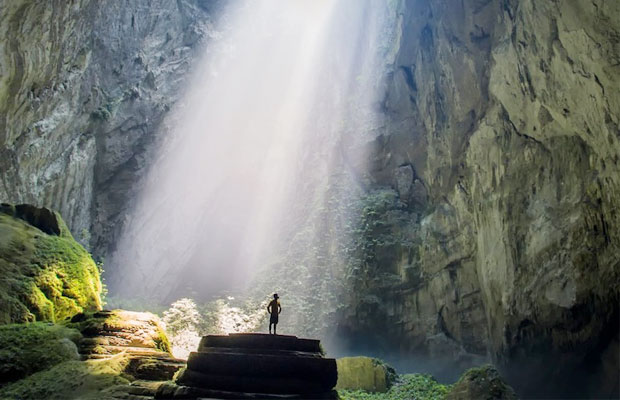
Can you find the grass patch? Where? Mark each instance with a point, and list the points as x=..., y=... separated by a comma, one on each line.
x=92, y=379
x=409, y=386
x=28, y=348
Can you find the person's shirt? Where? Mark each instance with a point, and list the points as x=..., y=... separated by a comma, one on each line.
x=274, y=307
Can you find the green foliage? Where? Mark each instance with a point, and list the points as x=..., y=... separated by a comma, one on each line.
x=161, y=341
x=103, y=295
x=182, y=315
x=481, y=382
x=380, y=212
x=32, y=347
x=410, y=386
x=45, y=277
x=92, y=379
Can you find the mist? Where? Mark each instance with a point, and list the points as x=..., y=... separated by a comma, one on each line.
x=282, y=91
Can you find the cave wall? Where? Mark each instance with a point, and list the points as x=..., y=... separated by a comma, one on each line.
x=502, y=146
x=84, y=88
x=498, y=164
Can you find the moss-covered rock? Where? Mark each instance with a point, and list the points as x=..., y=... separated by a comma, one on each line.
x=33, y=347
x=47, y=275
x=118, y=348
x=483, y=383
x=125, y=328
x=364, y=373
x=92, y=379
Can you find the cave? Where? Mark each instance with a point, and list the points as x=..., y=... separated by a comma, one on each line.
x=428, y=183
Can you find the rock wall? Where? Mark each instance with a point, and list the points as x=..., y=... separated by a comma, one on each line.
x=501, y=159
x=493, y=216
x=84, y=86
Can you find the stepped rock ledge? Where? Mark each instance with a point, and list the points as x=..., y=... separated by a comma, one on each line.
x=254, y=365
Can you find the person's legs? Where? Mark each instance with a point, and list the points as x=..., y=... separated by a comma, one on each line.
x=270, y=323
x=274, y=328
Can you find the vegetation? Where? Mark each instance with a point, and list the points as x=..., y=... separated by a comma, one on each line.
x=410, y=386
x=92, y=379
x=481, y=382
x=182, y=322
x=32, y=347
x=45, y=277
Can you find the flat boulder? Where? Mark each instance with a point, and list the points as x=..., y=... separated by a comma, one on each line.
x=255, y=366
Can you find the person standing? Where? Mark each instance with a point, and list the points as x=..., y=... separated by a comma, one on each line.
x=274, y=308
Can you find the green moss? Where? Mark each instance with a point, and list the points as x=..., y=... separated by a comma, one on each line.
x=410, y=386
x=481, y=382
x=45, y=277
x=32, y=347
x=92, y=379
x=364, y=373
x=161, y=341
x=93, y=323
x=40, y=305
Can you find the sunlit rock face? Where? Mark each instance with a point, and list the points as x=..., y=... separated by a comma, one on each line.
x=507, y=115
x=83, y=89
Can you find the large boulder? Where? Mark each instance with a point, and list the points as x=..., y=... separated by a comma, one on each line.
x=137, y=335
x=364, y=373
x=483, y=383
x=47, y=275
x=255, y=366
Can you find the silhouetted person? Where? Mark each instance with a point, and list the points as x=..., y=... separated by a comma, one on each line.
x=274, y=308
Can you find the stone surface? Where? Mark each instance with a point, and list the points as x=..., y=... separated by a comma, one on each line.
x=249, y=365
x=364, y=373
x=42, y=218
x=508, y=114
x=138, y=337
x=84, y=88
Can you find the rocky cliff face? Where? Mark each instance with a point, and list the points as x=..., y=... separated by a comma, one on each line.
x=492, y=219
x=83, y=90
x=500, y=158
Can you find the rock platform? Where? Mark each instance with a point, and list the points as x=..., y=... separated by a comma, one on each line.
x=140, y=338
x=255, y=366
